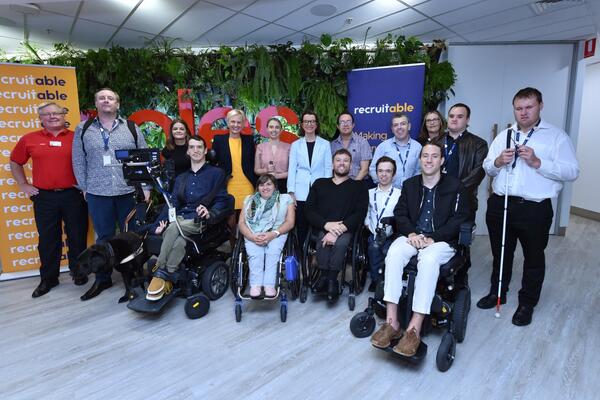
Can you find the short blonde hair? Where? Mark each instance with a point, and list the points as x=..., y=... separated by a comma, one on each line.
x=233, y=113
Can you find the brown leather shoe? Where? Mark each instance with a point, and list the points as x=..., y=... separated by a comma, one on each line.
x=157, y=289
x=384, y=336
x=408, y=345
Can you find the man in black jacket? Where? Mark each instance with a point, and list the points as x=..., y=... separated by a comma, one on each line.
x=428, y=217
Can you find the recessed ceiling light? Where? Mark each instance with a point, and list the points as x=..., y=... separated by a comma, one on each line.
x=323, y=10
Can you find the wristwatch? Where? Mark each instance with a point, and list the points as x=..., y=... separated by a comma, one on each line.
x=276, y=232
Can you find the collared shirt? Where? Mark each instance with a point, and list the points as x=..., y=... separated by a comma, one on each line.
x=358, y=146
x=91, y=173
x=558, y=164
x=381, y=209
x=405, y=168
x=451, y=155
x=51, y=158
x=425, y=221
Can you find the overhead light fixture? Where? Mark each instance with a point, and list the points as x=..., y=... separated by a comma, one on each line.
x=542, y=6
x=323, y=10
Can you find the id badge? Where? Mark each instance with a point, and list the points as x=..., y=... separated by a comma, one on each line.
x=172, y=214
x=54, y=143
x=106, y=160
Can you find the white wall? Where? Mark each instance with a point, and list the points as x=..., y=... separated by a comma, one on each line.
x=488, y=76
x=586, y=190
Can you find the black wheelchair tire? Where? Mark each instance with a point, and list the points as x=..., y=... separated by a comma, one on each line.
x=362, y=325
x=446, y=352
x=351, y=302
x=238, y=312
x=460, y=313
x=303, y=294
x=283, y=312
x=215, y=280
x=197, y=306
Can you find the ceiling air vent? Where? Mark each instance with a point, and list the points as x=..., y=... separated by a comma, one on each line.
x=543, y=6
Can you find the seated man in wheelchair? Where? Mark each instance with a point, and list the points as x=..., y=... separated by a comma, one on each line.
x=265, y=220
x=198, y=197
x=428, y=218
x=382, y=200
x=336, y=208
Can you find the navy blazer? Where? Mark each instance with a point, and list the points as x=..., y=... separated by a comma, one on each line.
x=223, y=155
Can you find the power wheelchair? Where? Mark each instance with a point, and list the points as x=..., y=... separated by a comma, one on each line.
x=356, y=256
x=288, y=282
x=449, y=308
x=203, y=274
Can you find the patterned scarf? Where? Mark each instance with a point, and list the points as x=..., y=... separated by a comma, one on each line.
x=257, y=211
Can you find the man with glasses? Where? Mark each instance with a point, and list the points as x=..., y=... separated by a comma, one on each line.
x=401, y=148
x=357, y=145
x=55, y=198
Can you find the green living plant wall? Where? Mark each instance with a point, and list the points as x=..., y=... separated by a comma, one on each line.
x=311, y=76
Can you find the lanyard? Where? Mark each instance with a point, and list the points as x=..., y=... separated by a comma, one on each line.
x=517, y=137
x=448, y=154
x=384, y=205
x=105, y=137
x=403, y=161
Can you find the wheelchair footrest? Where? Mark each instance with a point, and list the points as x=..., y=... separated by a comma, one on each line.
x=417, y=358
x=141, y=304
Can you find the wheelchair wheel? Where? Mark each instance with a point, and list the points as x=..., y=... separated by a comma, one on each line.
x=238, y=312
x=197, y=306
x=359, y=263
x=446, y=352
x=379, y=309
x=303, y=294
x=351, y=302
x=460, y=313
x=362, y=325
x=234, y=268
x=294, y=289
x=215, y=280
x=283, y=312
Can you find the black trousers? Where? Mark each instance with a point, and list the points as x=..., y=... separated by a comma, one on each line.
x=51, y=209
x=302, y=225
x=529, y=222
x=332, y=258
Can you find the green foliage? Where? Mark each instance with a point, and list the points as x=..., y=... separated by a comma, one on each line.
x=311, y=76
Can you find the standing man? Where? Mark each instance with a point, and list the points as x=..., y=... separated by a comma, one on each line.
x=53, y=193
x=401, y=148
x=539, y=158
x=109, y=197
x=464, y=153
x=357, y=145
x=336, y=208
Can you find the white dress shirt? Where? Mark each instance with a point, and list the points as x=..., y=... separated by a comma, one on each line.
x=371, y=220
x=558, y=163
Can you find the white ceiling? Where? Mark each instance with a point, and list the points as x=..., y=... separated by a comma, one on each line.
x=202, y=23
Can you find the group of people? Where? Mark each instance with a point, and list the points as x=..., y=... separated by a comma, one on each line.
x=428, y=185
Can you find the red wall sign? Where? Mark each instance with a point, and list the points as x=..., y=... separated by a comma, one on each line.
x=590, y=48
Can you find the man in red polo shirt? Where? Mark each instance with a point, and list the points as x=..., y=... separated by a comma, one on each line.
x=53, y=193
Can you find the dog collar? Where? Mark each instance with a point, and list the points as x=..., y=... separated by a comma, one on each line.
x=134, y=254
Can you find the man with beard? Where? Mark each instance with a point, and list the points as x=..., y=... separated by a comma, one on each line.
x=336, y=208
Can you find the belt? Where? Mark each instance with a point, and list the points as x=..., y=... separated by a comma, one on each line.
x=517, y=199
x=57, y=190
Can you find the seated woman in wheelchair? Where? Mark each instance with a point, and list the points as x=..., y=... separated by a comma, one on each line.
x=265, y=220
x=428, y=218
x=382, y=200
x=198, y=197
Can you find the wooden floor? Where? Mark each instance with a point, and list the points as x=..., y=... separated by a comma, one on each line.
x=58, y=347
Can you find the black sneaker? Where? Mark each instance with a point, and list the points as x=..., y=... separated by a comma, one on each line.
x=333, y=290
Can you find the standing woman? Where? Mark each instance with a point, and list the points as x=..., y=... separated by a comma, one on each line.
x=234, y=153
x=310, y=159
x=175, y=151
x=433, y=127
x=273, y=157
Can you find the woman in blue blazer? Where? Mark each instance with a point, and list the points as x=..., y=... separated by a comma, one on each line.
x=310, y=159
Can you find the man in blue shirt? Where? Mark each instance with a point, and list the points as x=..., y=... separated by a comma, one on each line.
x=400, y=148
x=199, y=192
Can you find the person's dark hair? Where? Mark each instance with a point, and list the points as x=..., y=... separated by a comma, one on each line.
x=198, y=138
x=264, y=179
x=276, y=120
x=424, y=134
x=400, y=115
x=305, y=113
x=342, y=151
x=171, y=141
x=385, y=159
x=528, y=92
x=461, y=105
x=435, y=144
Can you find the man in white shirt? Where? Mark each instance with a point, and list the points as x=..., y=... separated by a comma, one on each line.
x=538, y=157
x=382, y=200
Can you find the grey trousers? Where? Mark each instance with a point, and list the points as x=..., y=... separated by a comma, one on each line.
x=172, y=250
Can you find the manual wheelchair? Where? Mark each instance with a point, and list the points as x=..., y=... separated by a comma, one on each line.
x=450, y=306
x=288, y=281
x=356, y=256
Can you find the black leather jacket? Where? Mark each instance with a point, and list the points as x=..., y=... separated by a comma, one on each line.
x=472, y=150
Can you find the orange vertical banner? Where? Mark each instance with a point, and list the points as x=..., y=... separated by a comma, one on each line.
x=22, y=89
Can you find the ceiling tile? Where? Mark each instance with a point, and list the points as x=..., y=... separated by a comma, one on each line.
x=111, y=12
x=89, y=34
x=272, y=10
x=266, y=35
x=236, y=5
x=231, y=29
x=484, y=10
x=437, y=7
x=303, y=18
x=131, y=38
x=198, y=20
x=387, y=24
x=154, y=15
x=497, y=19
x=419, y=28
x=582, y=32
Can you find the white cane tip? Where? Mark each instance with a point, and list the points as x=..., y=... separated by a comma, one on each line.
x=497, y=315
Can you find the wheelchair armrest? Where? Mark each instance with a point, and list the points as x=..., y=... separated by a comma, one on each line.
x=465, y=235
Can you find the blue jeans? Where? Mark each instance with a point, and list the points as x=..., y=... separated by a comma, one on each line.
x=107, y=212
x=377, y=257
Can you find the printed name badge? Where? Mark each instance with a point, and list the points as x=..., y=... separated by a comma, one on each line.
x=106, y=160
x=172, y=214
x=54, y=143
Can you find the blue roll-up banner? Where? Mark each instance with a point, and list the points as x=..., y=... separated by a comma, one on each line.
x=375, y=94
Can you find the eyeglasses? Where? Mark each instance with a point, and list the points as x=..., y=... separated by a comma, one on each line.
x=345, y=123
x=309, y=122
x=432, y=120
x=52, y=114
